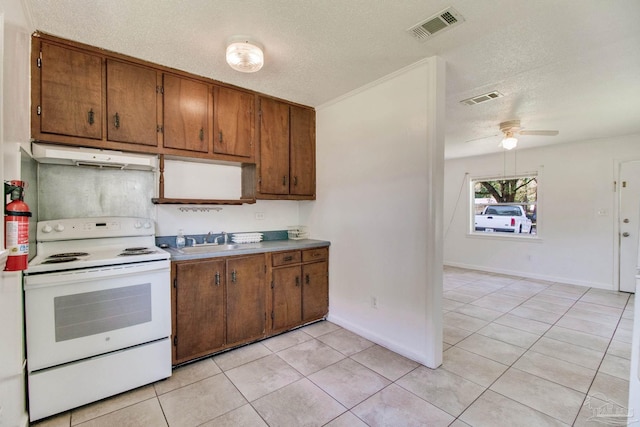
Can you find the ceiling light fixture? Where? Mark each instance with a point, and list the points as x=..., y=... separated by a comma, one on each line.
x=509, y=142
x=244, y=54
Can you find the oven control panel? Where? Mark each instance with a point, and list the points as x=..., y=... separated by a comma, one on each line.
x=87, y=228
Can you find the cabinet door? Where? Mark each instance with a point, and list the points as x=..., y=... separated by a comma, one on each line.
x=233, y=122
x=287, y=297
x=70, y=92
x=315, y=291
x=246, y=312
x=274, y=147
x=199, y=309
x=186, y=109
x=131, y=104
x=303, y=151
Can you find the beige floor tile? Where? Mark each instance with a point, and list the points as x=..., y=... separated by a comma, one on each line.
x=201, y=402
x=502, y=303
x=299, y=404
x=240, y=356
x=586, y=326
x=111, y=404
x=524, y=324
x=616, y=366
x=535, y=314
x=569, y=352
x=146, y=413
x=544, y=306
x=395, y=406
x=452, y=335
x=349, y=382
x=459, y=423
x=310, y=356
x=609, y=388
x=564, y=373
x=562, y=293
x=346, y=342
x=346, y=420
x=286, y=340
x=605, y=319
x=187, y=374
x=475, y=289
x=450, y=305
x=462, y=321
x=602, y=297
x=620, y=349
x=471, y=366
x=582, y=339
x=320, y=328
x=493, y=409
x=493, y=349
x=460, y=296
x=545, y=396
x=385, y=362
x=479, y=312
x=550, y=298
x=244, y=416
x=509, y=335
x=598, y=308
x=262, y=376
x=623, y=335
x=447, y=391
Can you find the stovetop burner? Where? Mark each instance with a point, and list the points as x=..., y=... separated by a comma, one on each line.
x=59, y=260
x=68, y=255
x=137, y=251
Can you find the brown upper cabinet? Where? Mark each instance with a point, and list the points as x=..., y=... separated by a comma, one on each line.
x=186, y=114
x=287, y=151
x=131, y=104
x=234, y=122
x=67, y=95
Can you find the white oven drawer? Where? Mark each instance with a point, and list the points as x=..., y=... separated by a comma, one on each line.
x=75, y=315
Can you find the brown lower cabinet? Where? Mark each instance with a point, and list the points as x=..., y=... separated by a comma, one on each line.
x=220, y=303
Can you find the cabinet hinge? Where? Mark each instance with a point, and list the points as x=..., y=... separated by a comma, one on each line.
x=265, y=268
x=160, y=89
x=272, y=284
x=39, y=110
x=159, y=129
x=175, y=340
x=39, y=60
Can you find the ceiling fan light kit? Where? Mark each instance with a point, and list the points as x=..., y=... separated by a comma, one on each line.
x=509, y=142
x=244, y=54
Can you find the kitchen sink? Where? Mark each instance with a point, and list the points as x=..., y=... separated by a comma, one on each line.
x=201, y=249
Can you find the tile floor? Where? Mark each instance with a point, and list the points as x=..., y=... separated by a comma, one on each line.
x=518, y=352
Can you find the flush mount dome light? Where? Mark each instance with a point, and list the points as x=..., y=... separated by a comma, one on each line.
x=244, y=54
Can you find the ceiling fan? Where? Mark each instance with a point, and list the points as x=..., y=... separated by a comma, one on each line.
x=512, y=128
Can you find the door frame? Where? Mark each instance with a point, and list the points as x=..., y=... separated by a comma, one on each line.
x=617, y=183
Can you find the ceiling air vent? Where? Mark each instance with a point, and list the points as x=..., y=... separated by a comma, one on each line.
x=444, y=20
x=482, y=98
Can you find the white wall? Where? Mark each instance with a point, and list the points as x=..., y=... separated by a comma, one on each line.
x=378, y=156
x=575, y=244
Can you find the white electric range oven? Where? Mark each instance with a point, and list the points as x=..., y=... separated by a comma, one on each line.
x=97, y=311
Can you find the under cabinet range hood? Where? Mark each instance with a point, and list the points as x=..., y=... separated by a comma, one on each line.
x=92, y=157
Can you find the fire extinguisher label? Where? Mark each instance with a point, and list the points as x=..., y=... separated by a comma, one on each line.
x=17, y=238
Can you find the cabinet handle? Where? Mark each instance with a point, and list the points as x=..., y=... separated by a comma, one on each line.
x=284, y=180
x=295, y=180
x=220, y=136
x=306, y=279
x=201, y=134
x=91, y=117
x=288, y=258
x=297, y=281
x=217, y=278
x=116, y=121
x=234, y=276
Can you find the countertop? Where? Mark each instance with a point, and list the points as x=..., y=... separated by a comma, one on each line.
x=252, y=248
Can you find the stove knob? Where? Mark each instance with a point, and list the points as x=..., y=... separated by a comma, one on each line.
x=137, y=224
x=147, y=225
x=47, y=229
x=59, y=227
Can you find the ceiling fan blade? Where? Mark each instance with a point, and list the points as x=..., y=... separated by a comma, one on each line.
x=483, y=137
x=539, y=132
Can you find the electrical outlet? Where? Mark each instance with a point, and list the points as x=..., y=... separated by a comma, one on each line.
x=374, y=302
x=259, y=215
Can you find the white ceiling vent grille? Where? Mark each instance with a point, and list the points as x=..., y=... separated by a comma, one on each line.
x=482, y=98
x=442, y=21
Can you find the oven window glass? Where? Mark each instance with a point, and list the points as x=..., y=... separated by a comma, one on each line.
x=90, y=313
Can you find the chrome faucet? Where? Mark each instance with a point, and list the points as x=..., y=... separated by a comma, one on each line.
x=224, y=235
x=192, y=239
x=206, y=239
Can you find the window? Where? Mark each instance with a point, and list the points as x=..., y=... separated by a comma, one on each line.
x=505, y=205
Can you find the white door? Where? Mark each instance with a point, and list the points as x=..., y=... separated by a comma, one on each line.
x=629, y=221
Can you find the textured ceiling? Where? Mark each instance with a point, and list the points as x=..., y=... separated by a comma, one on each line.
x=568, y=65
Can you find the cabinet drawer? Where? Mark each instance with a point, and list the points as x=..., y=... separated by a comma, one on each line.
x=315, y=254
x=285, y=258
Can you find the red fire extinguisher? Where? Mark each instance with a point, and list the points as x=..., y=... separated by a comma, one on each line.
x=16, y=227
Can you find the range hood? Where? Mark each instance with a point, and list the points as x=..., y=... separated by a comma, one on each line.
x=92, y=157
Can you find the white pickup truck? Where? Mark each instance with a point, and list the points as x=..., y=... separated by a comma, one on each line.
x=503, y=218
